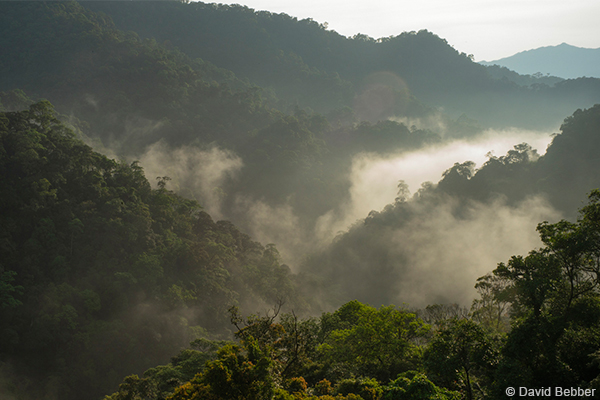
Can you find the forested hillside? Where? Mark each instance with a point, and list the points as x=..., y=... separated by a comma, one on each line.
x=139, y=100
x=147, y=149
x=304, y=62
x=103, y=275
x=549, y=297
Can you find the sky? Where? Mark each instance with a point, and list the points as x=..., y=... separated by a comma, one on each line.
x=488, y=29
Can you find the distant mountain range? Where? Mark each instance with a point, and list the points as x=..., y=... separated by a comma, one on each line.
x=564, y=61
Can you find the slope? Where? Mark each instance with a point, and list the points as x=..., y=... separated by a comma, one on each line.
x=102, y=276
x=218, y=137
x=305, y=63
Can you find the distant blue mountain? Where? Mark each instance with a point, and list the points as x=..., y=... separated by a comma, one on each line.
x=564, y=61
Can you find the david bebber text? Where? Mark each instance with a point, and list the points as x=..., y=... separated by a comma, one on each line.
x=558, y=392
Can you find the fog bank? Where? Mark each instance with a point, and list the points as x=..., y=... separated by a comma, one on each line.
x=196, y=173
x=374, y=179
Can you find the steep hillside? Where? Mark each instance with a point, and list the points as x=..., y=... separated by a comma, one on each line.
x=219, y=112
x=119, y=83
x=101, y=275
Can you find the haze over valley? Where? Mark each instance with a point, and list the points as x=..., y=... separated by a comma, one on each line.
x=209, y=201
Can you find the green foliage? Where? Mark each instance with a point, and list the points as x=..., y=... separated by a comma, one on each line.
x=7, y=298
x=554, y=295
x=414, y=385
x=440, y=315
x=94, y=259
x=102, y=276
x=106, y=82
x=459, y=355
x=14, y=100
x=375, y=255
x=290, y=349
x=374, y=342
x=367, y=389
x=490, y=310
x=304, y=63
x=296, y=385
x=550, y=280
x=323, y=387
x=161, y=381
x=233, y=375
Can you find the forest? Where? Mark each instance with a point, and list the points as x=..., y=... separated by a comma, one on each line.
x=196, y=203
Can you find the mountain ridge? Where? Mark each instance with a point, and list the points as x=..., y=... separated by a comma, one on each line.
x=563, y=60
x=103, y=274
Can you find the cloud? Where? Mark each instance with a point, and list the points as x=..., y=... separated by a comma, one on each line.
x=277, y=224
x=430, y=249
x=196, y=173
x=427, y=250
x=445, y=251
x=374, y=178
x=435, y=255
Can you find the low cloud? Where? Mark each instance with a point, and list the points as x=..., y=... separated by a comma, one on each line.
x=444, y=253
x=427, y=250
x=374, y=178
x=196, y=173
x=274, y=224
x=435, y=255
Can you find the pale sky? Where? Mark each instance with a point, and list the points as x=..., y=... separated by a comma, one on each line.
x=488, y=29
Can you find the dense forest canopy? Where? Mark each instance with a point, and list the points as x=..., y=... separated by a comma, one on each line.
x=94, y=258
x=181, y=213
x=550, y=297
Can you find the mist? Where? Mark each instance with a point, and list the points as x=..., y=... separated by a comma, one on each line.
x=434, y=255
x=444, y=254
x=258, y=163
x=431, y=247
x=195, y=173
x=204, y=173
x=374, y=178
x=428, y=250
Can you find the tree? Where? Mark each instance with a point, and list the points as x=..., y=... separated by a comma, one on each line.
x=438, y=315
x=554, y=303
x=8, y=290
x=491, y=309
x=568, y=268
x=100, y=275
x=237, y=374
x=413, y=385
x=374, y=342
x=459, y=355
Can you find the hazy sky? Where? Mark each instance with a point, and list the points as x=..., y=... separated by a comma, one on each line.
x=488, y=29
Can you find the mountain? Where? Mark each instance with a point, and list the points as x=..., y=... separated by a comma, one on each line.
x=110, y=267
x=307, y=65
x=563, y=61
